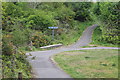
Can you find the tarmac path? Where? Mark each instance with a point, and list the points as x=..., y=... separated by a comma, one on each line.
x=42, y=65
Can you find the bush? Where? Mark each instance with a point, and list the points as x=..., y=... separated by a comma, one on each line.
x=38, y=39
x=64, y=14
x=7, y=45
x=40, y=21
x=20, y=38
x=106, y=15
x=14, y=64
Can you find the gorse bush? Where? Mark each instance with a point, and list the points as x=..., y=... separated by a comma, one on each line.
x=110, y=17
x=19, y=38
x=107, y=15
x=15, y=63
x=39, y=39
x=8, y=48
x=7, y=45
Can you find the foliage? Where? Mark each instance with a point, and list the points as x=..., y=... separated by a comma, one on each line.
x=15, y=63
x=110, y=18
x=81, y=10
x=58, y=10
x=15, y=10
x=69, y=36
x=7, y=45
x=38, y=39
x=42, y=15
x=40, y=21
x=7, y=24
x=19, y=38
x=108, y=15
x=26, y=23
x=97, y=39
x=50, y=6
x=64, y=14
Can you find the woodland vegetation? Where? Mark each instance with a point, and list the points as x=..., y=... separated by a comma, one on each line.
x=25, y=27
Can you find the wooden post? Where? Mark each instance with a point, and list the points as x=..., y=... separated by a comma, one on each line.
x=13, y=65
x=20, y=76
x=2, y=71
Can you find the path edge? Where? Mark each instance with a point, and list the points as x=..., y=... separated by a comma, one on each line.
x=56, y=65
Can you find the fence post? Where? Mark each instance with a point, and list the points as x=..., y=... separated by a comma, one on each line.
x=20, y=76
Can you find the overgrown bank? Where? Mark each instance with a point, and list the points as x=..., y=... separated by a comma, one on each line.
x=106, y=15
x=14, y=64
x=98, y=41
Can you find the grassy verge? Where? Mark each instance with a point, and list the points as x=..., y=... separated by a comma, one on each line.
x=89, y=63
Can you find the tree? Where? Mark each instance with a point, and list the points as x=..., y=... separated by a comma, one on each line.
x=40, y=20
x=107, y=14
x=81, y=10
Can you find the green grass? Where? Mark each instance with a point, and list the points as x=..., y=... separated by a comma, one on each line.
x=89, y=63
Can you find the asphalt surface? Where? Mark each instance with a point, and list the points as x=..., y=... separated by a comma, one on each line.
x=85, y=39
x=42, y=65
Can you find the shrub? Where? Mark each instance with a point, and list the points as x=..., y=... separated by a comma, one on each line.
x=7, y=45
x=40, y=21
x=14, y=64
x=38, y=39
x=19, y=37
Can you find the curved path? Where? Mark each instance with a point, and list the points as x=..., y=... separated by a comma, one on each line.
x=43, y=66
x=85, y=39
